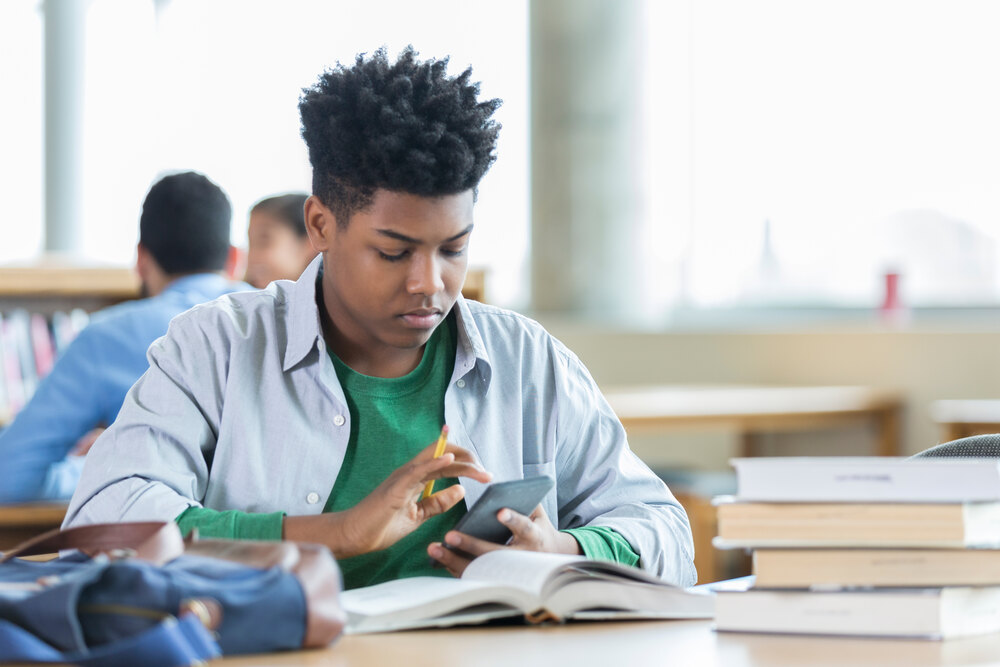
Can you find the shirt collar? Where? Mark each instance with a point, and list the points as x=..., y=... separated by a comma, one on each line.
x=470, y=348
x=305, y=332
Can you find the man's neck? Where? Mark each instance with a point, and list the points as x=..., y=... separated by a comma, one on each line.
x=393, y=363
x=157, y=284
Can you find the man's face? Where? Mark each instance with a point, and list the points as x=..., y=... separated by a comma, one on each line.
x=275, y=251
x=391, y=275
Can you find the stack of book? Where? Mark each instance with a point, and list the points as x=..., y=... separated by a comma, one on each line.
x=29, y=345
x=865, y=546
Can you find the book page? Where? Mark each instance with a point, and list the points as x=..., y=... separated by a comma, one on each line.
x=394, y=596
x=429, y=601
x=527, y=570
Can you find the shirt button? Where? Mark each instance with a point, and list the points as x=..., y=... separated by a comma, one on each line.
x=312, y=498
x=339, y=420
x=461, y=384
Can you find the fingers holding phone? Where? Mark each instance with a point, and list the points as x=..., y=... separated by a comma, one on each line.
x=501, y=520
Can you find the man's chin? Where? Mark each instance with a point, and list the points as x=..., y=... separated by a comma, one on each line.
x=412, y=339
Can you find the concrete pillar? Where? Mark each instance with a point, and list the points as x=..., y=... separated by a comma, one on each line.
x=586, y=155
x=65, y=26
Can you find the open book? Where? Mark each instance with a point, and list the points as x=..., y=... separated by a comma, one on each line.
x=540, y=587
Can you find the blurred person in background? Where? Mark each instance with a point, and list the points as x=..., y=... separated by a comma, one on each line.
x=279, y=247
x=183, y=259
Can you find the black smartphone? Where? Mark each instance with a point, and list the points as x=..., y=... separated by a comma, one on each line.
x=519, y=495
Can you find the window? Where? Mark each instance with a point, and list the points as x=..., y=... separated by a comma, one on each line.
x=807, y=148
x=214, y=86
x=21, y=130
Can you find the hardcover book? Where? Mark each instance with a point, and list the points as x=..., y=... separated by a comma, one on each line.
x=956, y=525
x=929, y=613
x=867, y=479
x=828, y=568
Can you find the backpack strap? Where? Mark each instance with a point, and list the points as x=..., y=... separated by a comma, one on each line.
x=155, y=541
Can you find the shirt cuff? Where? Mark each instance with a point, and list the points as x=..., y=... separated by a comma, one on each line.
x=603, y=543
x=61, y=478
x=231, y=524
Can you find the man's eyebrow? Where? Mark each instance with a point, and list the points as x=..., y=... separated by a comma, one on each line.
x=409, y=239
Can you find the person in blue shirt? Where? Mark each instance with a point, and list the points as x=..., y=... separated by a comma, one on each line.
x=183, y=255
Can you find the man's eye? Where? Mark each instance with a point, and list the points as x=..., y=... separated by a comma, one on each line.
x=392, y=258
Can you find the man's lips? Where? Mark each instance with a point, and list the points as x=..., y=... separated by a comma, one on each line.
x=423, y=318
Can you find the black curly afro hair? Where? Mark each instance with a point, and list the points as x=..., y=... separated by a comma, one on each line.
x=403, y=126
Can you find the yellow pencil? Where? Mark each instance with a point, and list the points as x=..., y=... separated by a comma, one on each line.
x=438, y=451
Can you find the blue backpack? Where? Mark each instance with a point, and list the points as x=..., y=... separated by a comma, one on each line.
x=137, y=594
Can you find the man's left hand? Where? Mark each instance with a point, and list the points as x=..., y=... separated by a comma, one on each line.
x=530, y=533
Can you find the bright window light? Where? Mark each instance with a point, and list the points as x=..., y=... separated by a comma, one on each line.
x=214, y=86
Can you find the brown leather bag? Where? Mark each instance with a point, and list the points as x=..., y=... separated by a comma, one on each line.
x=160, y=542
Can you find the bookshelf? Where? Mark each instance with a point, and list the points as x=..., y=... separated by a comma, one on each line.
x=50, y=285
x=55, y=284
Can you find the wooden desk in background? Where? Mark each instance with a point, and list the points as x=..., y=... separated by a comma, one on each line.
x=750, y=411
x=681, y=643
x=21, y=522
x=754, y=410
x=962, y=418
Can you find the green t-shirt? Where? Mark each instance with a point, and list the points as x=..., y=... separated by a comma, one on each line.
x=390, y=423
x=392, y=420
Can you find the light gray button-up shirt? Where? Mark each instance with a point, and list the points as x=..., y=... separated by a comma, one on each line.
x=241, y=409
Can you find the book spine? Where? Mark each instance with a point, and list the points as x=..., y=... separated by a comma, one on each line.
x=42, y=345
x=12, y=370
x=5, y=411
x=20, y=323
x=889, y=481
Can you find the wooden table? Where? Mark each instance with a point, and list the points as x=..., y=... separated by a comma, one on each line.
x=21, y=522
x=754, y=410
x=962, y=418
x=680, y=643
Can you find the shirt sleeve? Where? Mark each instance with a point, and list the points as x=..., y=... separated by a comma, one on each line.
x=603, y=543
x=66, y=404
x=603, y=483
x=153, y=462
x=231, y=524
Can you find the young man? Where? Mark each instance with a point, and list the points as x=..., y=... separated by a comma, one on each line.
x=305, y=410
x=182, y=254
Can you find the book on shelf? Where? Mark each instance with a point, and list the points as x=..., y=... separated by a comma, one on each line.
x=41, y=345
x=65, y=327
x=536, y=586
x=866, y=568
x=29, y=346
x=867, y=479
x=19, y=322
x=4, y=401
x=929, y=613
x=11, y=368
x=957, y=525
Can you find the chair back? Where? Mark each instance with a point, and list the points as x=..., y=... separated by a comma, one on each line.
x=985, y=446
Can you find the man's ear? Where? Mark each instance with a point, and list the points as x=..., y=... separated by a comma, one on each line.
x=236, y=263
x=320, y=223
x=142, y=260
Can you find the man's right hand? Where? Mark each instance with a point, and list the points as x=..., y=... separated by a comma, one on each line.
x=394, y=509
